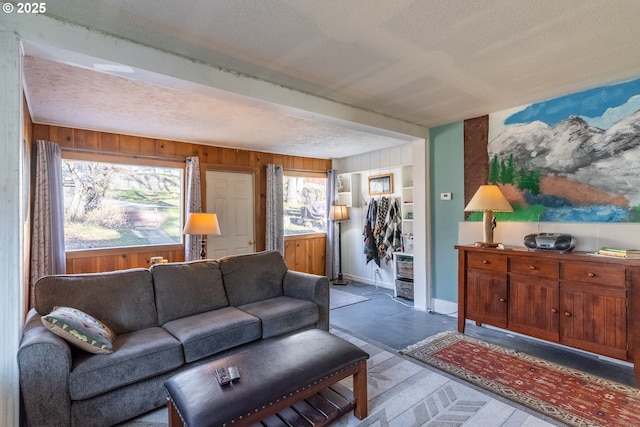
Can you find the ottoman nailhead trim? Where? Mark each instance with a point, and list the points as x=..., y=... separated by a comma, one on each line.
x=177, y=410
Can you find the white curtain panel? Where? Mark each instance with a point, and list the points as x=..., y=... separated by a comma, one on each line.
x=193, y=203
x=275, y=209
x=47, y=234
x=331, y=257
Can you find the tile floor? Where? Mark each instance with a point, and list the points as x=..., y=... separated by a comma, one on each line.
x=394, y=323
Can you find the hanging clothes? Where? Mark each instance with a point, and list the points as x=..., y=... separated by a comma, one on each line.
x=392, y=238
x=370, y=246
x=381, y=216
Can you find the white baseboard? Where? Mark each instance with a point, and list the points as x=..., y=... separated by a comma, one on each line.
x=445, y=307
x=370, y=281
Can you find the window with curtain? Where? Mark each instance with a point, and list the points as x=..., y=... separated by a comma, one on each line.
x=305, y=203
x=111, y=204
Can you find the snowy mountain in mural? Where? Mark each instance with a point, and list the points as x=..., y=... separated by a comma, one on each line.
x=587, y=172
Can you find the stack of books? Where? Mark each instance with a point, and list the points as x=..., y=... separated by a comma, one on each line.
x=619, y=252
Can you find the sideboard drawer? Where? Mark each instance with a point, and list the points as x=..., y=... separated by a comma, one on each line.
x=534, y=267
x=487, y=261
x=591, y=272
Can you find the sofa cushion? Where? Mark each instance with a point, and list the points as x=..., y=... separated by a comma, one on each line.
x=122, y=299
x=188, y=288
x=80, y=329
x=208, y=333
x=283, y=314
x=253, y=277
x=136, y=356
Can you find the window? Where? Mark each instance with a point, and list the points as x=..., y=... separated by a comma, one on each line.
x=114, y=205
x=305, y=203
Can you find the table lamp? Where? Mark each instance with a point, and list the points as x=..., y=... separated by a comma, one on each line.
x=202, y=224
x=339, y=213
x=488, y=199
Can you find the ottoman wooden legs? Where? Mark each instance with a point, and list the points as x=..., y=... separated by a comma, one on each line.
x=360, y=391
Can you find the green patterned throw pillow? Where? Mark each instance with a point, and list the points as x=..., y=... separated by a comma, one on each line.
x=80, y=329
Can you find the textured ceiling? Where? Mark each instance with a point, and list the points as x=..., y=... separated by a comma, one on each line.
x=425, y=62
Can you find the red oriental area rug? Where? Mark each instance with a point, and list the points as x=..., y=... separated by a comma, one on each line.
x=567, y=395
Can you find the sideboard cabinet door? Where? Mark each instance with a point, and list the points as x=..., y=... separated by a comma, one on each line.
x=487, y=297
x=533, y=306
x=594, y=318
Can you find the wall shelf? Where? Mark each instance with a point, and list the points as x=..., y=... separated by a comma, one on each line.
x=349, y=189
x=407, y=199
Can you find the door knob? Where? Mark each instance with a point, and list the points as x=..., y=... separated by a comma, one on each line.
x=252, y=242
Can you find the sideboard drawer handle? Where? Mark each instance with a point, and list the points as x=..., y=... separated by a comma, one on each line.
x=532, y=267
x=566, y=313
x=502, y=300
x=591, y=274
x=553, y=310
x=484, y=261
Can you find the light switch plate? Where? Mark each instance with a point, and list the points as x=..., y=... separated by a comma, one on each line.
x=445, y=196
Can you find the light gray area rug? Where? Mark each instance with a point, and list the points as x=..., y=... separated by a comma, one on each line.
x=405, y=393
x=339, y=298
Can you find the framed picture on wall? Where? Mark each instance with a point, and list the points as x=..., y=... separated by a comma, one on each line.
x=381, y=184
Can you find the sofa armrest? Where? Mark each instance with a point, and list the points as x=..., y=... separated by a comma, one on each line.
x=309, y=287
x=44, y=361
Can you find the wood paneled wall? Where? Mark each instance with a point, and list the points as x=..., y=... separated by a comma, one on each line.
x=306, y=253
x=302, y=253
x=27, y=129
x=476, y=157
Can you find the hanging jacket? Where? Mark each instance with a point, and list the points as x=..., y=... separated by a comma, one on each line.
x=392, y=239
x=370, y=247
x=383, y=208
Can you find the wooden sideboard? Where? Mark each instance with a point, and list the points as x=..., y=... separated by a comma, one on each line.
x=574, y=299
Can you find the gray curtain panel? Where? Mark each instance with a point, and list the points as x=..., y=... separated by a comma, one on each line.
x=47, y=234
x=193, y=203
x=275, y=210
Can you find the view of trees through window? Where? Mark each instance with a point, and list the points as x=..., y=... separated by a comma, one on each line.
x=113, y=205
x=305, y=205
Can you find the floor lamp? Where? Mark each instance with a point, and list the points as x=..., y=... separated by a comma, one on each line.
x=202, y=224
x=339, y=213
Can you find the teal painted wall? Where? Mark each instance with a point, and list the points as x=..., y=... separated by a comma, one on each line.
x=446, y=158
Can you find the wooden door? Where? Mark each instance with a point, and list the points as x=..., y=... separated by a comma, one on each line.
x=230, y=196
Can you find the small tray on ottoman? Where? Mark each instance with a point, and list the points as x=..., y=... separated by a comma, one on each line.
x=284, y=375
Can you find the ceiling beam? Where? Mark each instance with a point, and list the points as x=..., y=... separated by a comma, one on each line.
x=75, y=45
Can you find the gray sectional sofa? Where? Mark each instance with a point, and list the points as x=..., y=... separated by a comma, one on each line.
x=166, y=319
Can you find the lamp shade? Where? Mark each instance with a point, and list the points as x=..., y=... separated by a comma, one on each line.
x=338, y=213
x=202, y=223
x=488, y=198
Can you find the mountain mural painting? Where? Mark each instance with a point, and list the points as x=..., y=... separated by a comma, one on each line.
x=570, y=159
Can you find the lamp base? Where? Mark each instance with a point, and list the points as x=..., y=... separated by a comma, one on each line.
x=486, y=245
x=339, y=282
x=203, y=246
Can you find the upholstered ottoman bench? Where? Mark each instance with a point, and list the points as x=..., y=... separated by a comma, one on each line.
x=275, y=375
